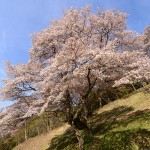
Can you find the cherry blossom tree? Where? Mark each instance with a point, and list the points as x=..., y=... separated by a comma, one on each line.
x=19, y=89
x=80, y=53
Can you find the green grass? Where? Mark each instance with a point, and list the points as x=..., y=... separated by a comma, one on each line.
x=120, y=125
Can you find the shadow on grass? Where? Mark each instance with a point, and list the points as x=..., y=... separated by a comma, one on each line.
x=103, y=122
x=120, y=116
x=104, y=137
x=125, y=140
x=60, y=142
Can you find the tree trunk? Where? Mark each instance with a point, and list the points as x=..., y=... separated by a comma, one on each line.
x=25, y=132
x=18, y=140
x=133, y=87
x=38, y=131
x=80, y=139
x=79, y=125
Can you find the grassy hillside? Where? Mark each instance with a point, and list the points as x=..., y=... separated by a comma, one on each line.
x=121, y=125
x=41, y=142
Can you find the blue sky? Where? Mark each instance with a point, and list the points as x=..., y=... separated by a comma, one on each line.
x=21, y=18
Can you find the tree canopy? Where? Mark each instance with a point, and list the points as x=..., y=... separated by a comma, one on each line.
x=78, y=54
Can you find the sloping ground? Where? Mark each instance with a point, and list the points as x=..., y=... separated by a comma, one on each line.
x=138, y=100
x=41, y=142
x=121, y=125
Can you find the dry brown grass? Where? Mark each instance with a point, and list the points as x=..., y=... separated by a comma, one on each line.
x=41, y=142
